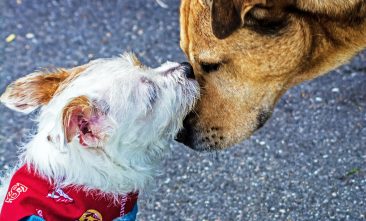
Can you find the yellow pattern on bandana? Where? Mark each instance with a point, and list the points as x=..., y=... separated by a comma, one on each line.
x=91, y=215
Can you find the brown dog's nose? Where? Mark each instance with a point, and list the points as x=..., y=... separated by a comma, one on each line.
x=188, y=70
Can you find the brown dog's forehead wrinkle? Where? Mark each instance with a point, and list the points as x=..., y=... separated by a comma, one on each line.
x=184, y=12
x=202, y=29
x=186, y=23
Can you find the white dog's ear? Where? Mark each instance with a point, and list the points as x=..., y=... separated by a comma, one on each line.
x=28, y=93
x=34, y=90
x=84, y=120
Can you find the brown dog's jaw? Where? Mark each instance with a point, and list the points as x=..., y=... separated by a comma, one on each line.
x=215, y=137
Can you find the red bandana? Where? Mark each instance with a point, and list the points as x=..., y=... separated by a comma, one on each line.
x=29, y=194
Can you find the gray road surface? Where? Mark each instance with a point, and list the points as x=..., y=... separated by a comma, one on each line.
x=307, y=163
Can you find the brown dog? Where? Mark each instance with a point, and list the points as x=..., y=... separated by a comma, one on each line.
x=247, y=53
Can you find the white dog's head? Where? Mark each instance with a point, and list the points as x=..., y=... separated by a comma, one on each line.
x=107, y=114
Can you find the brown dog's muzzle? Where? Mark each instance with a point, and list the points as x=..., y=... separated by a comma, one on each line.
x=213, y=138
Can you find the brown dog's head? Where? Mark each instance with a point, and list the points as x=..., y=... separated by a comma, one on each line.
x=247, y=53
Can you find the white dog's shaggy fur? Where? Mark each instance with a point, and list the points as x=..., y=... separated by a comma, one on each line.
x=131, y=114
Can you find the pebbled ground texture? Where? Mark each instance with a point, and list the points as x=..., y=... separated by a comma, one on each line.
x=307, y=163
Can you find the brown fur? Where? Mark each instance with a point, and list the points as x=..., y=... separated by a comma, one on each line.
x=264, y=47
x=38, y=88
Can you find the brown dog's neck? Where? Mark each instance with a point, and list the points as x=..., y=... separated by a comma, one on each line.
x=345, y=26
x=333, y=40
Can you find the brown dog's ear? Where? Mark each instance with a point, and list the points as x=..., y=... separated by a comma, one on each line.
x=228, y=15
x=28, y=93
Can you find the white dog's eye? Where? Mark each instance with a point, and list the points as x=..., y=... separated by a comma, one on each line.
x=152, y=89
x=103, y=106
x=146, y=80
x=153, y=94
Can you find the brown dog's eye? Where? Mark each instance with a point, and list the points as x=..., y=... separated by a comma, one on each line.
x=210, y=67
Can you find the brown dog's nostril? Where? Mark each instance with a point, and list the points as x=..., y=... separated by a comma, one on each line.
x=188, y=70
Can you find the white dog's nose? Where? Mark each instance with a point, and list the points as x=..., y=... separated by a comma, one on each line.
x=188, y=70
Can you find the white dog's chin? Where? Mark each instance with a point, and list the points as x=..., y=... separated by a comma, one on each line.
x=108, y=126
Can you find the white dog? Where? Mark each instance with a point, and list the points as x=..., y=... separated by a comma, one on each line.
x=102, y=131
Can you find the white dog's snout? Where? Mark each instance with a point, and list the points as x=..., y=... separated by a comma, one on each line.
x=183, y=69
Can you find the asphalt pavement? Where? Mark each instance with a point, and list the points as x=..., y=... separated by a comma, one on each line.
x=307, y=163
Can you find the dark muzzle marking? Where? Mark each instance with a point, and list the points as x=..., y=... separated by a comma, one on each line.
x=262, y=118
